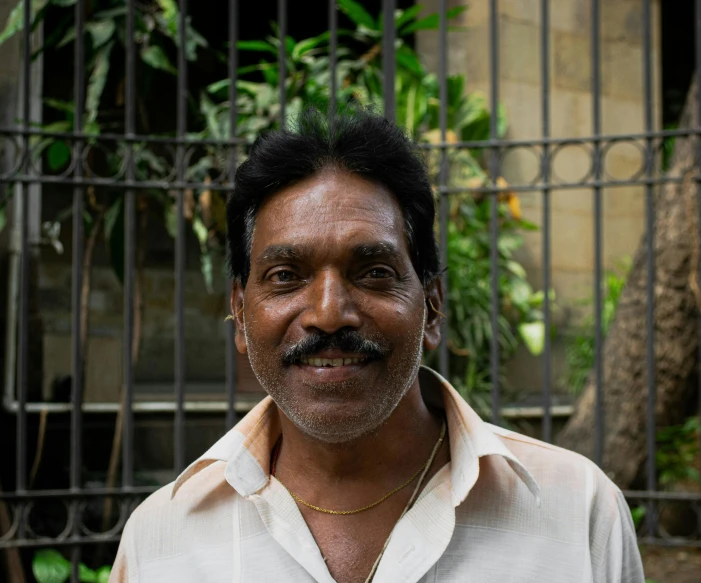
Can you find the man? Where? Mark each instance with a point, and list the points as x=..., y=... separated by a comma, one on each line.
x=361, y=465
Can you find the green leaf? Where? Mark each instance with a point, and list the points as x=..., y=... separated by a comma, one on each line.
x=103, y=574
x=96, y=83
x=306, y=45
x=15, y=21
x=154, y=57
x=256, y=45
x=408, y=59
x=101, y=31
x=50, y=566
x=63, y=2
x=402, y=17
x=58, y=155
x=86, y=575
x=432, y=21
x=357, y=14
x=533, y=335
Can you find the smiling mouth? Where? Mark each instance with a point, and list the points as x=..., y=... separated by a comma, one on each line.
x=332, y=362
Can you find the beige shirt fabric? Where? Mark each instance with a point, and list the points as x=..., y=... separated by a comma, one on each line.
x=505, y=509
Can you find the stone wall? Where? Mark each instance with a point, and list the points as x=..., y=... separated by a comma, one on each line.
x=622, y=110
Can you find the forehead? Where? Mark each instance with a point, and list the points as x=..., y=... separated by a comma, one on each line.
x=327, y=211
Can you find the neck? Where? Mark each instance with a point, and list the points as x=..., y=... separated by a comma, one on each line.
x=403, y=441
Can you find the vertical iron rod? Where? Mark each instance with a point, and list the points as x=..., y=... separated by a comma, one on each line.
x=23, y=320
x=282, y=59
x=233, y=118
x=77, y=368
x=598, y=278
x=388, y=57
x=333, y=46
x=443, y=178
x=179, y=449
x=129, y=253
x=697, y=78
x=494, y=216
x=545, y=113
x=650, y=287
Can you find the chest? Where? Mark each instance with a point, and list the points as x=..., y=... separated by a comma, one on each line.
x=350, y=545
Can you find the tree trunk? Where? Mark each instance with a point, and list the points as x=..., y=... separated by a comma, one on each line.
x=676, y=301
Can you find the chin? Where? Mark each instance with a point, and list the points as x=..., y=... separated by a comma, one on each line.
x=338, y=423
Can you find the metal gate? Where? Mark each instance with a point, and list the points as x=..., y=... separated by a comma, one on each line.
x=23, y=175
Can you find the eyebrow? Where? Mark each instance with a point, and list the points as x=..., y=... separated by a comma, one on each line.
x=280, y=252
x=362, y=251
x=376, y=251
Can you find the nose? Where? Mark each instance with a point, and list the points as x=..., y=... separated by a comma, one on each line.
x=330, y=304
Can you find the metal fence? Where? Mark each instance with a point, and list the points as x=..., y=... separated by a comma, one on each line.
x=20, y=501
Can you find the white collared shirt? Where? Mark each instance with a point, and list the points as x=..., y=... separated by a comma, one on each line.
x=505, y=509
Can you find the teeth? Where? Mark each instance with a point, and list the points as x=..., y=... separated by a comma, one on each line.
x=331, y=362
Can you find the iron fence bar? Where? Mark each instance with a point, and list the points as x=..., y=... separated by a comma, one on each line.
x=233, y=118
x=697, y=78
x=77, y=369
x=468, y=144
x=129, y=254
x=494, y=214
x=179, y=426
x=333, y=57
x=545, y=112
x=175, y=184
x=598, y=220
x=23, y=320
x=443, y=179
x=651, y=479
x=388, y=56
x=282, y=59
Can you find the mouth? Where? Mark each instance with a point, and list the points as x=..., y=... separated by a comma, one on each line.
x=332, y=362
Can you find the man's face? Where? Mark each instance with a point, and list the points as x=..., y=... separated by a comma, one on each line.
x=334, y=315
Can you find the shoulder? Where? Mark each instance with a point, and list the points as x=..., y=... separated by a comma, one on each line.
x=577, y=499
x=164, y=522
x=553, y=466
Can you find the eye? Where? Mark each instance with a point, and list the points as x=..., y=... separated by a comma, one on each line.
x=379, y=273
x=282, y=276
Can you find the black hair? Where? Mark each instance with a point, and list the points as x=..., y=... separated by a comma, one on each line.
x=357, y=141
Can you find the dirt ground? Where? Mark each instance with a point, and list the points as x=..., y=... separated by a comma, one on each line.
x=672, y=565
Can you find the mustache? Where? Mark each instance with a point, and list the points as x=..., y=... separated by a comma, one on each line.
x=344, y=340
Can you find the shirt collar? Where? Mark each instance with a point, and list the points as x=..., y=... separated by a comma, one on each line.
x=247, y=447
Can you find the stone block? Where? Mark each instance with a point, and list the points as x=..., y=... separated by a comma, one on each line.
x=573, y=16
x=622, y=20
x=620, y=116
x=622, y=70
x=624, y=160
x=572, y=241
x=622, y=235
x=521, y=10
x=522, y=102
x=520, y=51
x=571, y=164
x=572, y=66
x=573, y=200
x=570, y=113
x=624, y=201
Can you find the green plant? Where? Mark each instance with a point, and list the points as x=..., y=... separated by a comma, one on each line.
x=580, y=348
x=50, y=566
x=358, y=74
x=678, y=452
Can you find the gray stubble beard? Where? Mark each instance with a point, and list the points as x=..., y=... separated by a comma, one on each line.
x=332, y=431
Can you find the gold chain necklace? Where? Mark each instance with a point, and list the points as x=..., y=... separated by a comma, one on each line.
x=369, y=506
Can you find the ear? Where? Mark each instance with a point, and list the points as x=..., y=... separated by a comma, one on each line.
x=237, y=314
x=434, y=317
